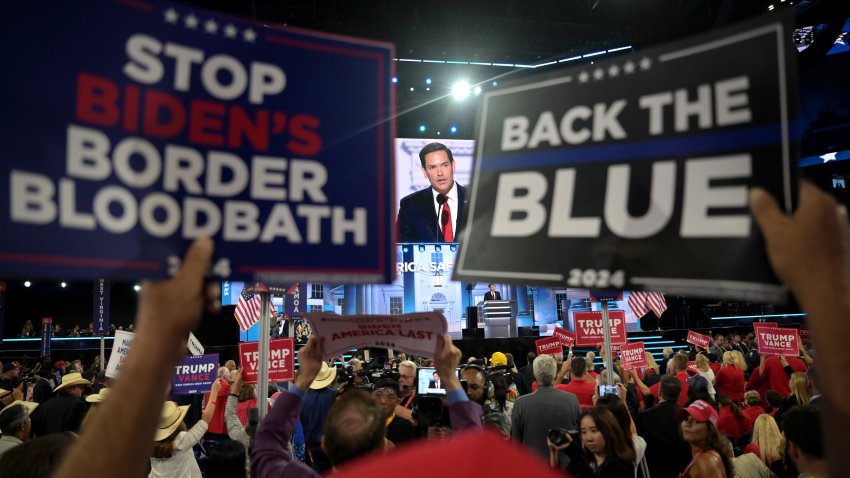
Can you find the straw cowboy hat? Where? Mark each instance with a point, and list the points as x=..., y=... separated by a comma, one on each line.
x=70, y=380
x=99, y=396
x=326, y=376
x=29, y=405
x=170, y=418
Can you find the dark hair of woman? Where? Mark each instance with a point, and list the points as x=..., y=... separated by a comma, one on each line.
x=725, y=401
x=165, y=448
x=616, y=445
x=714, y=440
x=616, y=406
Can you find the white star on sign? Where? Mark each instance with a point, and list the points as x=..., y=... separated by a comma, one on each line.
x=614, y=70
x=191, y=21
x=230, y=31
x=598, y=74
x=629, y=67
x=645, y=63
x=249, y=35
x=211, y=26
x=583, y=77
x=171, y=16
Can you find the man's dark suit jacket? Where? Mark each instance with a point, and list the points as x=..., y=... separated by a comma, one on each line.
x=667, y=454
x=489, y=296
x=399, y=431
x=417, y=217
x=61, y=413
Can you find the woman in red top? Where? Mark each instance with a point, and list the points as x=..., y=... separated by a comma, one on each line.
x=753, y=402
x=730, y=379
x=708, y=447
x=732, y=422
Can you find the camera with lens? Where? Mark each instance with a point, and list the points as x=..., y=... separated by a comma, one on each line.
x=430, y=411
x=558, y=436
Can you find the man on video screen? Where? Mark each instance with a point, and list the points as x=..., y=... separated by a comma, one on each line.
x=435, y=382
x=433, y=214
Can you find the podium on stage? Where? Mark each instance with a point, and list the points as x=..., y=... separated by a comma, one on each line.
x=499, y=318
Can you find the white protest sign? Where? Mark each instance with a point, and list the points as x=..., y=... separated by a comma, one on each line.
x=194, y=345
x=120, y=348
x=413, y=333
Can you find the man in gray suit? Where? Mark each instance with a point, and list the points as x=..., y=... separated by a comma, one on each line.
x=534, y=414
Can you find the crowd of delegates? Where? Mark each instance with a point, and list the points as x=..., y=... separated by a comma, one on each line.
x=658, y=421
x=29, y=331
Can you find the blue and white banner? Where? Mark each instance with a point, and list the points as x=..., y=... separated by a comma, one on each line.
x=100, y=319
x=195, y=374
x=46, y=335
x=632, y=173
x=295, y=304
x=161, y=123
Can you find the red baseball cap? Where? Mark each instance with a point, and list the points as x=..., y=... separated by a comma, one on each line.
x=701, y=411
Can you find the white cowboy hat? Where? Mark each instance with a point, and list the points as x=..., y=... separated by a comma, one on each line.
x=325, y=377
x=170, y=418
x=71, y=380
x=99, y=396
x=30, y=406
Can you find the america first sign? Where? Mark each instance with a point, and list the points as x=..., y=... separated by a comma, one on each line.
x=633, y=173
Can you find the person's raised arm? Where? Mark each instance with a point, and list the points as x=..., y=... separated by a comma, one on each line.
x=167, y=312
x=211, y=404
x=446, y=361
x=810, y=252
x=565, y=370
x=639, y=383
x=235, y=429
x=463, y=413
x=271, y=456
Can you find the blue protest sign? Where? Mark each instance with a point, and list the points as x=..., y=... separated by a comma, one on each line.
x=195, y=374
x=160, y=123
x=100, y=319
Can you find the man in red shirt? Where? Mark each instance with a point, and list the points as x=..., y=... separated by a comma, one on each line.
x=778, y=373
x=217, y=430
x=579, y=385
x=678, y=367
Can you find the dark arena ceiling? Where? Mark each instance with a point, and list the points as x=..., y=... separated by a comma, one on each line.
x=506, y=32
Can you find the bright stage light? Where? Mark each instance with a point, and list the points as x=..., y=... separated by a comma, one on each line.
x=64, y=284
x=460, y=90
x=422, y=128
x=27, y=284
x=477, y=90
x=395, y=79
x=427, y=81
x=453, y=129
x=137, y=287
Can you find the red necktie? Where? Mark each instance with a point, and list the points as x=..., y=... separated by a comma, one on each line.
x=446, y=220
